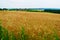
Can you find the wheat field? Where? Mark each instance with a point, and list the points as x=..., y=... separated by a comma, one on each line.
x=32, y=25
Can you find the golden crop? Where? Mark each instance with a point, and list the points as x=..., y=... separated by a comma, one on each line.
x=34, y=23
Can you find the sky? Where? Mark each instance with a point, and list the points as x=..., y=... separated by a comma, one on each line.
x=29, y=3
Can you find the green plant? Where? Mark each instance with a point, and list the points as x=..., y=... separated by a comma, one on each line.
x=13, y=37
x=5, y=35
x=48, y=37
x=55, y=35
x=0, y=31
x=19, y=35
x=23, y=35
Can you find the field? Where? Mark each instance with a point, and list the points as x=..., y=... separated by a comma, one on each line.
x=22, y=25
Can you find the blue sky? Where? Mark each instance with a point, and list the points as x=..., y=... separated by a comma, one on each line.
x=29, y=3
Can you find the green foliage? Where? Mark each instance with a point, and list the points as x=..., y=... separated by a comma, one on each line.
x=52, y=11
x=13, y=37
x=23, y=35
x=5, y=35
x=19, y=36
x=0, y=31
x=55, y=35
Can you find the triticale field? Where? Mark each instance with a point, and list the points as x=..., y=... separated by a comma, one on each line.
x=22, y=25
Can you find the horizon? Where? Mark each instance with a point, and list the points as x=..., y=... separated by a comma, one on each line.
x=31, y=8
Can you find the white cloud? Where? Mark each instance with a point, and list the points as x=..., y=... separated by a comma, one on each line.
x=30, y=3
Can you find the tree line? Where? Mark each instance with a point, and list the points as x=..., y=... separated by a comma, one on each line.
x=32, y=10
x=52, y=10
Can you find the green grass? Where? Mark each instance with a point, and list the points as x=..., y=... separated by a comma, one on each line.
x=23, y=35
x=55, y=35
x=12, y=36
x=0, y=31
x=3, y=33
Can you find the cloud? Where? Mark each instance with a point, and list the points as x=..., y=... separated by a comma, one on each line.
x=30, y=3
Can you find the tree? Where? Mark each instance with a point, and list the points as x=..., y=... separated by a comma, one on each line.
x=5, y=9
x=0, y=8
